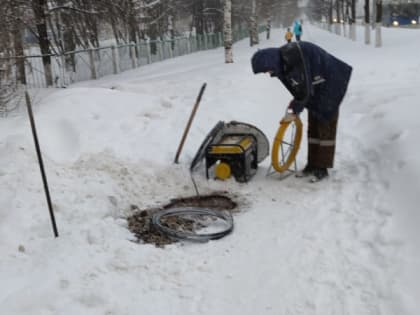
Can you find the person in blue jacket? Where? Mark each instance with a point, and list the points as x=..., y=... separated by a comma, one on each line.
x=297, y=30
x=318, y=82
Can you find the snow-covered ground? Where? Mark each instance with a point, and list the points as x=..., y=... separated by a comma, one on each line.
x=349, y=245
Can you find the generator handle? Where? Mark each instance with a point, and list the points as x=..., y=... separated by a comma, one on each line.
x=187, y=127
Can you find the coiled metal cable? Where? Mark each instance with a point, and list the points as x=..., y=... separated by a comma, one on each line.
x=192, y=236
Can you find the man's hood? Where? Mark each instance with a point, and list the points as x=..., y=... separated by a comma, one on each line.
x=268, y=59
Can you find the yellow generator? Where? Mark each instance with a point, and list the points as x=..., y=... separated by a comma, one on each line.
x=233, y=148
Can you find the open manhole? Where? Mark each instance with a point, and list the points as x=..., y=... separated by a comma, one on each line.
x=197, y=218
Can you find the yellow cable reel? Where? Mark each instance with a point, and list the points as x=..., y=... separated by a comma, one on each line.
x=284, y=164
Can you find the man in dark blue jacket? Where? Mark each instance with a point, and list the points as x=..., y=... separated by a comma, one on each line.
x=318, y=82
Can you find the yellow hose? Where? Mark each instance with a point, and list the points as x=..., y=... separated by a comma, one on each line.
x=278, y=140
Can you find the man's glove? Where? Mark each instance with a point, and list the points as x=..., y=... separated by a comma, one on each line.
x=288, y=118
x=290, y=114
x=290, y=108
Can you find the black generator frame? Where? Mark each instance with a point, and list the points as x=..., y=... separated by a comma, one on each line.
x=245, y=170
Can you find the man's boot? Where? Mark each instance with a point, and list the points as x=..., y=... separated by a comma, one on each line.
x=319, y=174
x=306, y=171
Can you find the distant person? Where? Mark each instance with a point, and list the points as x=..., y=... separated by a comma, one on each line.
x=318, y=82
x=289, y=35
x=297, y=29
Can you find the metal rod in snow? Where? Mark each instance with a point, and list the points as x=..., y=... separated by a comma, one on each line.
x=41, y=164
x=187, y=128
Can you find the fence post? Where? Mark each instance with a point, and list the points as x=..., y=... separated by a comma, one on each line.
x=149, y=53
x=92, y=64
x=162, y=49
x=188, y=45
x=114, y=59
x=176, y=47
x=205, y=41
x=198, y=38
x=158, y=49
x=171, y=53
x=64, y=70
x=138, y=56
x=133, y=55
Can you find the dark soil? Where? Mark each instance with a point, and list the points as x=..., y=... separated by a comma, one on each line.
x=140, y=222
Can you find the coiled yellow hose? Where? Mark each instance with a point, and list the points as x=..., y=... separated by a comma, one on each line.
x=278, y=164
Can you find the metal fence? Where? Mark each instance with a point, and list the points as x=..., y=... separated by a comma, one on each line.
x=88, y=64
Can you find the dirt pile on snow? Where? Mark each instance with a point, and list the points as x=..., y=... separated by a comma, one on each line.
x=140, y=222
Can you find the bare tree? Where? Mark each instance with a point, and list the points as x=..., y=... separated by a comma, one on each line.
x=352, y=20
x=132, y=23
x=39, y=8
x=345, y=15
x=63, y=26
x=5, y=48
x=87, y=25
x=268, y=28
x=367, y=22
x=378, y=24
x=227, y=31
x=338, y=17
x=198, y=16
x=253, y=24
x=17, y=33
x=330, y=15
x=266, y=10
x=284, y=12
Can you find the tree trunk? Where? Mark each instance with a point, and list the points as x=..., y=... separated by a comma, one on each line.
x=171, y=31
x=153, y=34
x=353, y=20
x=330, y=15
x=115, y=30
x=39, y=6
x=268, y=28
x=132, y=30
x=18, y=47
x=367, y=22
x=227, y=31
x=132, y=24
x=198, y=16
x=345, y=15
x=373, y=15
x=378, y=24
x=338, y=24
x=253, y=24
x=94, y=31
x=69, y=43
